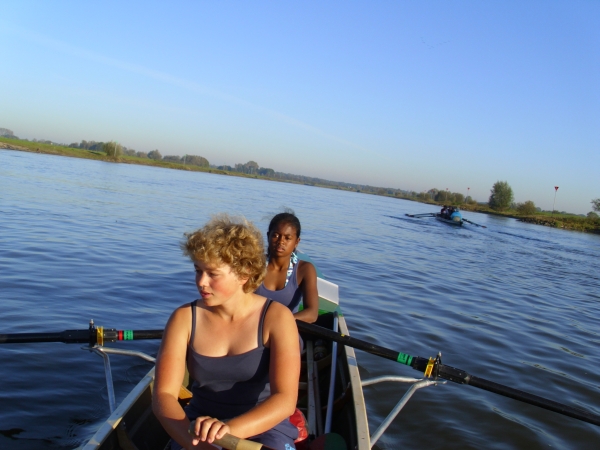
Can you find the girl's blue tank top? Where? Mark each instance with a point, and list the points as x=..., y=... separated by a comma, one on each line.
x=228, y=386
x=289, y=296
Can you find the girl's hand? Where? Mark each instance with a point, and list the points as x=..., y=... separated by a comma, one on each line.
x=207, y=429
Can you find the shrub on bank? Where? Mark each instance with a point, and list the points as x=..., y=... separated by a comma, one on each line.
x=527, y=208
x=112, y=150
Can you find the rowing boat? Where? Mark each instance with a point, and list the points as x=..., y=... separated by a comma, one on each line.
x=330, y=392
x=336, y=406
x=330, y=388
x=457, y=221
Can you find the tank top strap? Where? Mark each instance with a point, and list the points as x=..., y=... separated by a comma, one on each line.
x=193, y=305
x=260, y=340
x=292, y=268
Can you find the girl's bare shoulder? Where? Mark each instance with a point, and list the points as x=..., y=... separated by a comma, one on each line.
x=181, y=314
x=307, y=270
x=278, y=315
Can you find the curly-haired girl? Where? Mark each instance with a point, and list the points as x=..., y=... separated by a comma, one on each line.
x=241, y=349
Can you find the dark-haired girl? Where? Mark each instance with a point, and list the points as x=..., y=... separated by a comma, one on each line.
x=289, y=280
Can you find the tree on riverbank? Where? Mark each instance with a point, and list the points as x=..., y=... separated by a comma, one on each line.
x=501, y=196
x=88, y=145
x=596, y=204
x=113, y=150
x=155, y=154
x=195, y=160
x=5, y=132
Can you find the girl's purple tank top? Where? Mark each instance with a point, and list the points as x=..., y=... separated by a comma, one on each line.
x=228, y=386
x=289, y=296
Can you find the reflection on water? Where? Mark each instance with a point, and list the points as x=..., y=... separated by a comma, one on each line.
x=514, y=303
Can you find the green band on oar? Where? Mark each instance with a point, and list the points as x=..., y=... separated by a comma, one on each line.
x=433, y=367
x=403, y=358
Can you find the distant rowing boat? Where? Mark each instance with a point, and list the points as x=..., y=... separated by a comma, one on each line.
x=457, y=220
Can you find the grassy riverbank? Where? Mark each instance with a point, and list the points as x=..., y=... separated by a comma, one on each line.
x=37, y=147
x=564, y=221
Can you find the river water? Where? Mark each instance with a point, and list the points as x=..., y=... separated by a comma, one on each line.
x=515, y=303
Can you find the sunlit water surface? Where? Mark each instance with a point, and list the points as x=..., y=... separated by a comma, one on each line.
x=514, y=303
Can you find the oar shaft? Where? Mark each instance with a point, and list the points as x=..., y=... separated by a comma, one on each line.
x=450, y=373
x=348, y=340
x=461, y=377
x=89, y=336
x=473, y=223
x=532, y=399
x=67, y=336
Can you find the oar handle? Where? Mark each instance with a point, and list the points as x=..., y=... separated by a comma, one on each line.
x=231, y=442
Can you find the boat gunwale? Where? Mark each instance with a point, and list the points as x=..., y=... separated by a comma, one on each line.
x=113, y=421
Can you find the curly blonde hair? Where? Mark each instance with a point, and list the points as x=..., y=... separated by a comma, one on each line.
x=233, y=241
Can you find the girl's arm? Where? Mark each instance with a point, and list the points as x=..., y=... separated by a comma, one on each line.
x=170, y=370
x=281, y=335
x=307, y=278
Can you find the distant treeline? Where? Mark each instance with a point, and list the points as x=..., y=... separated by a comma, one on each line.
x=249, y=168
x=252, y=168
x=118, y=149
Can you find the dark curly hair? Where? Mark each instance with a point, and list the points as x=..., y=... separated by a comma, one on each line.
x=285, y=217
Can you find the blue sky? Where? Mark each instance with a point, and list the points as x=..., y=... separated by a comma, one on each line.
x=409, y=95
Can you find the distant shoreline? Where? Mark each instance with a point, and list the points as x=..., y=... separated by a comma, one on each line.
x=561, y=221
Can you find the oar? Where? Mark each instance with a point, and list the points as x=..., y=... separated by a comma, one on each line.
x=420, y=215
x=473, y=223
x=433, y=367
x=92, y=336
